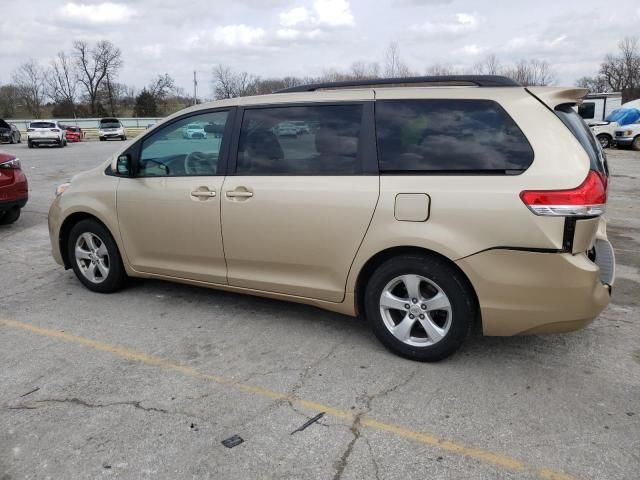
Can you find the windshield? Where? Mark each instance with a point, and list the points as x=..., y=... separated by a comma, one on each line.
x=42, y=125
x=109, y=125
x=624, y=116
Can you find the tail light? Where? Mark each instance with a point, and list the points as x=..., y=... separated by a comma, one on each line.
x=55, y=130
x=587, y=200
x=30, y=130
x=13, y=164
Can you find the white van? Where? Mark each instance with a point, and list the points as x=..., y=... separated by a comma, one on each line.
x=628, y=113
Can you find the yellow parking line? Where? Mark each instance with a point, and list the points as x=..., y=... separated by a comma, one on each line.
x=486, y=456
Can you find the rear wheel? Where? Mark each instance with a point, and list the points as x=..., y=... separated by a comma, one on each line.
x=605, y=140
x=95, y=258
x=29, y=143
x=11, y=140
x=10, y=216
x=636, y=143
x=420, y=307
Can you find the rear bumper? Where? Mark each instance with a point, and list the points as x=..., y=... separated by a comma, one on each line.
x=522, y=292
x=11, y=204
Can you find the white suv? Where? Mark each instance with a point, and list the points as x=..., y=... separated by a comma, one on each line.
x=628, y=136
x=46, y=132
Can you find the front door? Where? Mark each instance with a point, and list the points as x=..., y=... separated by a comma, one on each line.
x=303, y=194
x=169, y=212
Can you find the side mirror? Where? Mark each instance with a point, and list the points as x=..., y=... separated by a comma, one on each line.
x=123, y=165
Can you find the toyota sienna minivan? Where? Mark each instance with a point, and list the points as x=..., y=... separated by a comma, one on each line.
x=428, y=205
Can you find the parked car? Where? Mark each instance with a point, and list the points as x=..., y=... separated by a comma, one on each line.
x=9, y=133
x=628, y=113
x=14, y=189
x=286, y=129
x=46, y=132
x=74, y=134
x=194, y=130
x=427, y=214
x=111, y=128
x=628, y=136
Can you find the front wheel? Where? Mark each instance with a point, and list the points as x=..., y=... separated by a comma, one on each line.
x=94, y=256
x=636, y=143
x=605, y=140
x=420, y=307
x=10, y=216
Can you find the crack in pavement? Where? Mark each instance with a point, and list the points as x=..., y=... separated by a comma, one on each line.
x=343, y=461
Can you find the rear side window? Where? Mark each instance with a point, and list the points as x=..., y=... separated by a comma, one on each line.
x=475, y=136
x=300, y=140
x=42, y=125
x=583, y=134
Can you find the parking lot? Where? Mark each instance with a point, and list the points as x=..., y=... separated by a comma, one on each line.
x=146, y=383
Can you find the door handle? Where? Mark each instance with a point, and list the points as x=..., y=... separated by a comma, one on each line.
x=203, y=193
x=239, y=194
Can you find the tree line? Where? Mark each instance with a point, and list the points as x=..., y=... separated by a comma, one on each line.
x=84, y=83
x=227, y=83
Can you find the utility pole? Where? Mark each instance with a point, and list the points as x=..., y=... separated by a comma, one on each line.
x=195, y=89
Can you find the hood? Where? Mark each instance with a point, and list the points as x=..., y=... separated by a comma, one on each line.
x=4, y=124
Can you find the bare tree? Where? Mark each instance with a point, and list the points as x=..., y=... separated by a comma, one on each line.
x=362, y=70
x=531, y=72
x=93, y=65
x=393, y=64
x=597, y=84
x=440, y=70
x=61, y=81
x=229, y=84
x=9, y=98
x=490, y=65
x=29, y=80
x=162, y=86
x=622, y=71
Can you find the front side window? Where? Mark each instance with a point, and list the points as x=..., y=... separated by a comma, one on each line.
x=300, y=140
x=186, y=147
x=449, y=136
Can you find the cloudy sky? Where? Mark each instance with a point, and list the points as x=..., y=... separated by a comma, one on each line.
x=304, y=37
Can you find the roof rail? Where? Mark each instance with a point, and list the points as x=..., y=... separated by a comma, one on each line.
x=437, y=80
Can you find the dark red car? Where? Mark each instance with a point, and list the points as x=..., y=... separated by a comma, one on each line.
x=13, y=189
x=74, y=134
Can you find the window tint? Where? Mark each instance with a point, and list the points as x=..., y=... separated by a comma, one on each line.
x=187, y=147
x=585, y=136
x=305, y=140
x=587, y=110
x=449, y=135
x=42, y=125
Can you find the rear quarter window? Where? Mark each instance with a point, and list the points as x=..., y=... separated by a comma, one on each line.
x=458, y=136
x=584, y=135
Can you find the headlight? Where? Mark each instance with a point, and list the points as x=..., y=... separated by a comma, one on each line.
x=628, y=133
x=11, y=164
x=62, y=188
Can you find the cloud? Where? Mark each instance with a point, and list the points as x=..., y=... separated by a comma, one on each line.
x=535, y=42
x=106, y=12
x=472, y=50
x=295, y=34
x=234, y=35
x=461, y=23
x=422, y=3
x=324, y=13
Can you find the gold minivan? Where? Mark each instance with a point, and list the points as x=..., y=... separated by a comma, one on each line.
x=427, y=204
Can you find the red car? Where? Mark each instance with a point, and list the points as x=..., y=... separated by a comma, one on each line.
x=74, y=134
x=13, y=189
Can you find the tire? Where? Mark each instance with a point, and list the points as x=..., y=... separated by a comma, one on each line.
x=123, y=138
x=83, y=234
x=64, y=143
x=635, y=145
x=10, y=216
x=11, y=140
x=29, y=143
x=20, y=139
x=102, y=139
x=434, y=277
x=605, y=140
